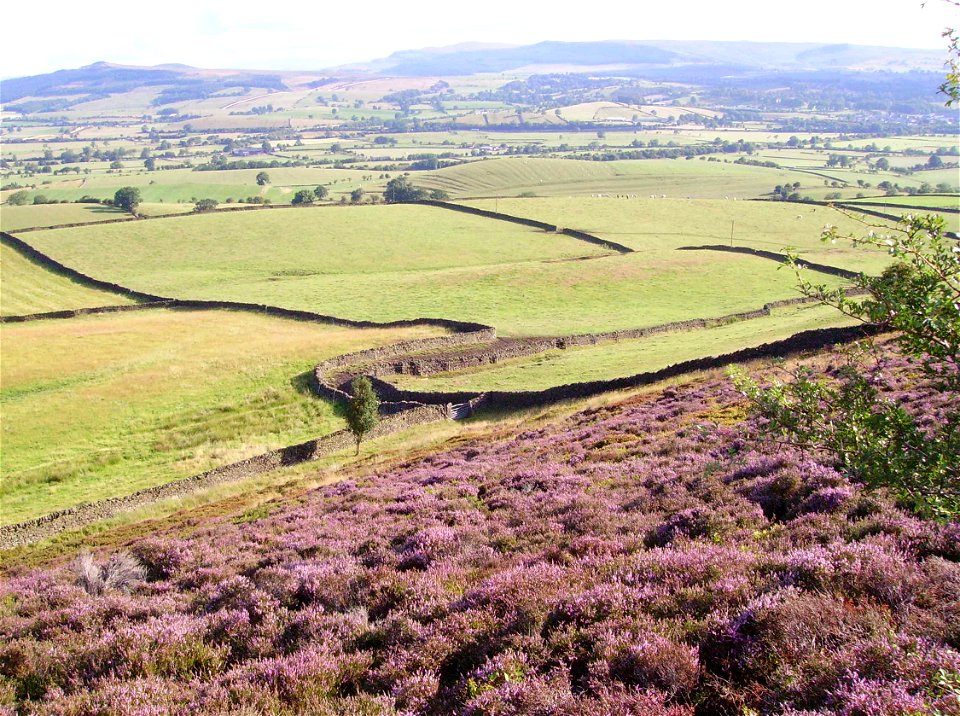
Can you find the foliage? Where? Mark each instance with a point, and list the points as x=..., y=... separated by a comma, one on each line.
x=205, y=205
x=356, y=196
x=399, y=189
x=847, y=415
x=127, y=198
x=363, y=410
x=18, y=198
x=320, y=192
x=302, y=197
x=263, y=178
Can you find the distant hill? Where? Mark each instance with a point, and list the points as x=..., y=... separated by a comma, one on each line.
x=769, y=56
x=101, y=79
x=662, y=60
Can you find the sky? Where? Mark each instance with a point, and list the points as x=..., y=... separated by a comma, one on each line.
x=314, y=35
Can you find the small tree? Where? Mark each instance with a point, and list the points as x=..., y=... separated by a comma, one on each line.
x=363, y=410
x=18, y=198
x=356, y=196
x=320, y=192
x=302, y=197
x=205, y=205
x=127, y=198
x=263, y=179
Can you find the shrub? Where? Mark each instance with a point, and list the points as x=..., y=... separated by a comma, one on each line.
x=121, y=573
x=18, y=198
x=205, y=205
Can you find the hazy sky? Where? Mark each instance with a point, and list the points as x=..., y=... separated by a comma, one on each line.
x=312, y=35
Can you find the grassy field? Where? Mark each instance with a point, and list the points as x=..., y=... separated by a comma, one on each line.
x=932, y=201
x=26, y=287
x=569, y=177
x=662, y=225
x=614, y=360
x=14, y=218
x=184, y=185
x=105, y=405
x=392, y=262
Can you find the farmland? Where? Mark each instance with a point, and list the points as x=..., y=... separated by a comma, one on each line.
x=29, y=288
x=436, y=263
x=105, y=405
x=575, y=508
x=564, y=177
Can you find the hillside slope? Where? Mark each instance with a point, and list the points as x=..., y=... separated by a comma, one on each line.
x=635, y=559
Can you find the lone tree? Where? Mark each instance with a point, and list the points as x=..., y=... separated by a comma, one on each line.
x=205, y=205
x=302, y=197
x=18, y=198
x=127, y=198
x=320, y=192
x=263, y=179
x=363, y=410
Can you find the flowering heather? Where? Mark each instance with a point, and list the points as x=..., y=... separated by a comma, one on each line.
x=636, y=559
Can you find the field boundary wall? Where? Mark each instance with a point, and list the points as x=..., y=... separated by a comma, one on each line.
x=773, y=255
x=533, y=223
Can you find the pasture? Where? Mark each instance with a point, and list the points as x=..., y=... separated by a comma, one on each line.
x=393, y=262
x=185, y=185
x=568, y=177
x=26, y=287
x=15, y=218
x=661, y=225
x=105, y=405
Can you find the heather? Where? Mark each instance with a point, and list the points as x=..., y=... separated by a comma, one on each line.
x=645, y=558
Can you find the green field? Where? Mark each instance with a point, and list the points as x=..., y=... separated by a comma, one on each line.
x=26, y=287
x=185, y=185
x=615, y=360
x=14, y=218
x=662, y=225
x=393, y=262
x=931, y=201
x=568, y=177
x=105, y=405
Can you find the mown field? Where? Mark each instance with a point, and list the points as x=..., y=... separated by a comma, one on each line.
x=615, y=360
x=392, y=262
x=568, y=177
x=26, y=287
x=105, y=405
